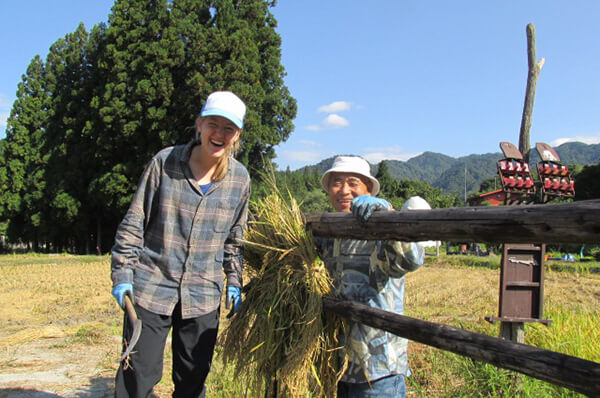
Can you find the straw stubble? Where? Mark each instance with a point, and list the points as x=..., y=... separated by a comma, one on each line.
x=281, y=339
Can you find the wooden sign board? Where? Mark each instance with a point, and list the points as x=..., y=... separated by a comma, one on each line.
x=546, y=152
x=510, y=151
x=522, y=283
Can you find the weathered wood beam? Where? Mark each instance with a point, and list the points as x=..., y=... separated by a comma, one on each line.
x=576, y=222
x=574, y=373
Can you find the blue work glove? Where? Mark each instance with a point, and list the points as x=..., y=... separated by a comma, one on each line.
x=118, y=292
x=364, y=205
x=234, y=294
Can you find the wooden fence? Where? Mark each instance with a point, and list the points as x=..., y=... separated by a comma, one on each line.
x=577, y=222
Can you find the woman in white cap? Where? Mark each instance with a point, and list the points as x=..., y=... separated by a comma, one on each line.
x=371, y=273
x=181, y=232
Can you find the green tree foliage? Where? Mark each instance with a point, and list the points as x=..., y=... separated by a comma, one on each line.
x=233, y=45
x=23, y=161
x=397, y=192
x=469, y=172
x=138, y=51
x=587, y=183
x=579, y=153
x=67, y=145
x=316, y=201
x=305, y=186
x=426, y=167
x=389, y=185
x=434, y=196
x=489, y=185
x=134, y=61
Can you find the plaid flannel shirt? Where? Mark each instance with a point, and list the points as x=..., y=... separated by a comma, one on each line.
x=174, y=242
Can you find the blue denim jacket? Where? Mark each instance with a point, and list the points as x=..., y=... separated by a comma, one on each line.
x=372, y=273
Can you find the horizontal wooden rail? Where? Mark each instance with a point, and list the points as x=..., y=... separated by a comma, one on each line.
x=574, y=373
x=576, y=222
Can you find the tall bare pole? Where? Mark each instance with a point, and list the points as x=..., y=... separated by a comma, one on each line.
x=532, y=76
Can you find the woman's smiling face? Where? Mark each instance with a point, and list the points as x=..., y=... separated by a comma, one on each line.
x=216, y=134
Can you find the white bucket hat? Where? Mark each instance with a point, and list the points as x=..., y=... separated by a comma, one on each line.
x=351, y=164
x=227, y=105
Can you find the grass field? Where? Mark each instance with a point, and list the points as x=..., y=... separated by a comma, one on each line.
x=60, y=329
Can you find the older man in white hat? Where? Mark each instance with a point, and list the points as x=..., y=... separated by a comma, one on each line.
x=371, y=273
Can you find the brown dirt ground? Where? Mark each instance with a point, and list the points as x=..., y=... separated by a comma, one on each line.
x=42, y=371
x=56, y=338
x=53, y=367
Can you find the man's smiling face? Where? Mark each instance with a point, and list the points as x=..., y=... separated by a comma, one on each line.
x=343, y=187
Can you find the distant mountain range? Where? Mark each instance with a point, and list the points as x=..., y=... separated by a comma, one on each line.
x=448, y=173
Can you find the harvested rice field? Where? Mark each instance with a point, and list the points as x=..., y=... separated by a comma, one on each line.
x=60, y=330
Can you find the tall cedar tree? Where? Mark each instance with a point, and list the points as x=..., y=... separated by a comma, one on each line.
x=135, y=86
x=133, y=61
x=389, y=185
x=23, y=162
x=109, y=190
x=233, y=45
x=67, y=144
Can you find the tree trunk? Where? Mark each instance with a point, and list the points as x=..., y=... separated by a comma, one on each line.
x=532, y=76
x=36, y=245
x=99, y=235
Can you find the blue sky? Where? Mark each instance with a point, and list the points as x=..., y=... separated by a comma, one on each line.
x=391, y=79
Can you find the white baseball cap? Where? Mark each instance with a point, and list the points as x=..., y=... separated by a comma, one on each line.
x=227, y=105
x=351, y=164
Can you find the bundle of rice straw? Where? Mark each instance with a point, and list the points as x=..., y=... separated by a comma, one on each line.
x=281, y=341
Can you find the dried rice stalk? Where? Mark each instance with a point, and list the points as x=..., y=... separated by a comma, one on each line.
x=281, y=333
x=31, y=334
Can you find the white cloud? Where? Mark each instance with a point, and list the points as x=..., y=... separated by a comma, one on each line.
x=376, y=155
x=337, y=106
x=335, y=121
x=332, y=121
x=586, y=139
x=309, y=143
x=302, y=156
